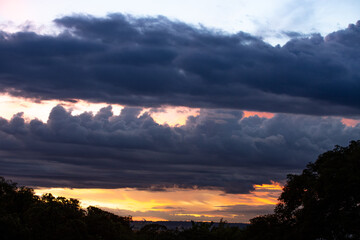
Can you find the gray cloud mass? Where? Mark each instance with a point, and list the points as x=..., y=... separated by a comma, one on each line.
x=154, y=62
x=219, y=149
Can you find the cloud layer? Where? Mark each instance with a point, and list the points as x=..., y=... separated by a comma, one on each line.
x=154, y=61
x=219, y=149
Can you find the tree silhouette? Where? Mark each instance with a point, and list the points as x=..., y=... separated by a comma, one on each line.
x=155, y=231
x=23, y=215
x=56, y=218
x=321, y=203
x=106, y=225
x=14, y=203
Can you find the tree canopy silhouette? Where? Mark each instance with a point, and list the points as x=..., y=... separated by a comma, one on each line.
x=23, y=215
x=323, y=202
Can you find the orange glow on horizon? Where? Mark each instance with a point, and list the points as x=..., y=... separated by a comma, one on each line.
x=273, y=186
x=153, y=219
x=173, y=203
x=197, y=215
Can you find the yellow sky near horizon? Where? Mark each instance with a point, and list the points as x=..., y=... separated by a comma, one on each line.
x=172, y=203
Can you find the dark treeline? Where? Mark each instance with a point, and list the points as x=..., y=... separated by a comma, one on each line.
x=24, y=215
x=321, y=203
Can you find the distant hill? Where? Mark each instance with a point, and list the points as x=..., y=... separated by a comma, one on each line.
x=173, y=225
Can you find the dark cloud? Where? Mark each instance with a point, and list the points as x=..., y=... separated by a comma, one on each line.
x=154, y=61
x=216, y=150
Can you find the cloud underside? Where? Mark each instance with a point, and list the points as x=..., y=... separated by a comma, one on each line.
x=219, y=149
x=154, y=62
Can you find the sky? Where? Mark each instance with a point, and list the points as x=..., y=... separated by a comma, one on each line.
x=169, y=110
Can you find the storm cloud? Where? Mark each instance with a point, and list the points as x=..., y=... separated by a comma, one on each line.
x=155, y=61
x=218, y=149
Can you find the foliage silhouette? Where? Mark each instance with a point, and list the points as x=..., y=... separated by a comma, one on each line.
x=105, y=225
x=56, y=218
x=24, y=215
x=321, y=203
